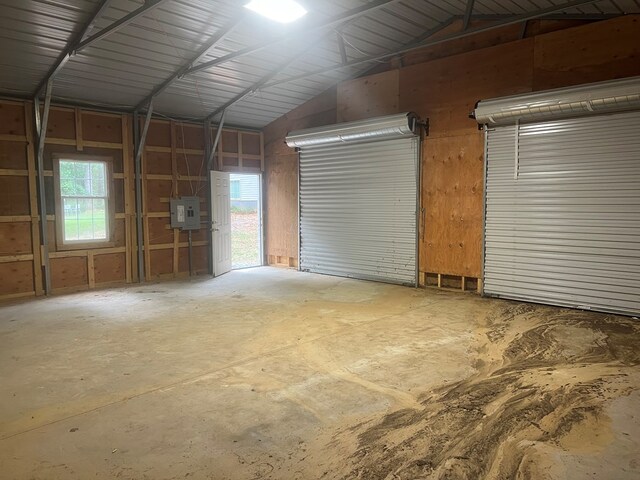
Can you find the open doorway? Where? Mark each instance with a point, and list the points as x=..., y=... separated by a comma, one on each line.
x=246, y=220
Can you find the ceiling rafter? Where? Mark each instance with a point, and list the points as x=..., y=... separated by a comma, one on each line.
x=118, y=24
x=264, y=79
x=467, y=14
x=68, y=51
x=214, y=40
x=80, y=41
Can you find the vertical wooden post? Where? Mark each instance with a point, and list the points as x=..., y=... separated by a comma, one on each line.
x=439, y=281
x=78, y=118
x=126, y=166
x=174, y=194
x=463, y=283
x=261, y=152
x=33, y=200
x=91, y=272
x=239, y=149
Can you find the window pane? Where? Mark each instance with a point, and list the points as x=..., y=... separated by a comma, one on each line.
x=70, y=208
x=83, y=178
x=98, y=179
x=99, y=218
x=83, y=186
x=85, y=219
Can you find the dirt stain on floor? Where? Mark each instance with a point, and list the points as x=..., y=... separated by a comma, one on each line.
x=544, y=376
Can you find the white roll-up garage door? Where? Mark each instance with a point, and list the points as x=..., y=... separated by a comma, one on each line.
x=358, y=197
x=562, y=219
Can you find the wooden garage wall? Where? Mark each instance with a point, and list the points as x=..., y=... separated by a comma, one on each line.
x=20, y=273
x=173, y=165
x=70, y=130
x=444, y=89
x=281, y=177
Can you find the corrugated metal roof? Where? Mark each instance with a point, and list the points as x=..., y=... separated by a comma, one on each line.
x=122, y=69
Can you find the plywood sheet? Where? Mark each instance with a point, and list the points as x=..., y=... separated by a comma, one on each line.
x=13, y=155
x=191, y=165
x=445, y=91
x=69, y=272
x=21, y=275
x=161, y=262
x=229, y=141
x=157, y=163
x=591, y=53
x=119, y=234
x=109, y=268
x=282, y=206
x=101, y=128
x=159, y=133
x=11, y=118
x=200, y=260
x=15, y=238
x=452, y=193
x=61, y=124
x=189, y=136
x=159, y=231
x=14, y=195
x=158, y=193
x=370, y=96
x=250, y=143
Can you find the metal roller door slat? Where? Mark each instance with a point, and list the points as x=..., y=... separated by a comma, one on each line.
x=358, y=209
x=565, y=228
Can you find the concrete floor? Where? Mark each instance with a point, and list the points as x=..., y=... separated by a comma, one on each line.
x=268, y=373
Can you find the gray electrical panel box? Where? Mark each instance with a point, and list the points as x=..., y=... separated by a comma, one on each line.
x=185, y=213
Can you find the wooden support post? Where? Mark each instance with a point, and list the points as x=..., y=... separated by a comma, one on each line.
x=78, y=118
x=91, y=272
x=462, y=283
x=140, y=138
x=41, y=129
x=33, y=201
x=126, y=168
x=261, y=152
x=480, y=286
x=174, y=194
x=439, y=281
x=239, y=149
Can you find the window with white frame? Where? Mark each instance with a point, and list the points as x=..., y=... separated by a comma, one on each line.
x=82, y=186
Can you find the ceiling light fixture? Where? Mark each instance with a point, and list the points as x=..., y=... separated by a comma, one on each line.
x=283, y=11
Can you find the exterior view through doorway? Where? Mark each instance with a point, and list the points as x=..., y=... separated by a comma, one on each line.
x=246, y=220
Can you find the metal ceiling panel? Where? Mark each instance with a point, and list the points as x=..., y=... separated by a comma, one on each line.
x=123, y=68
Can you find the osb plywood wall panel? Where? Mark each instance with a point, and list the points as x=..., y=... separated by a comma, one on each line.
x=281, y=177
x=490, y=38
x=20, y=269
x=588, y=54
x=174, y=151
x=445, y=91
x=443, y=83
x=173, y=165
x=371, y=96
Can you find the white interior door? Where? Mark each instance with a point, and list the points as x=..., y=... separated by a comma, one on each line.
x=221, y=225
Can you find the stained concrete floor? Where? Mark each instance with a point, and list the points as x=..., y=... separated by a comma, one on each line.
x=269, y=373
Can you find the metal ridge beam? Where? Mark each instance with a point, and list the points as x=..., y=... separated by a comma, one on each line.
x=510, y=20
x=303, y=30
